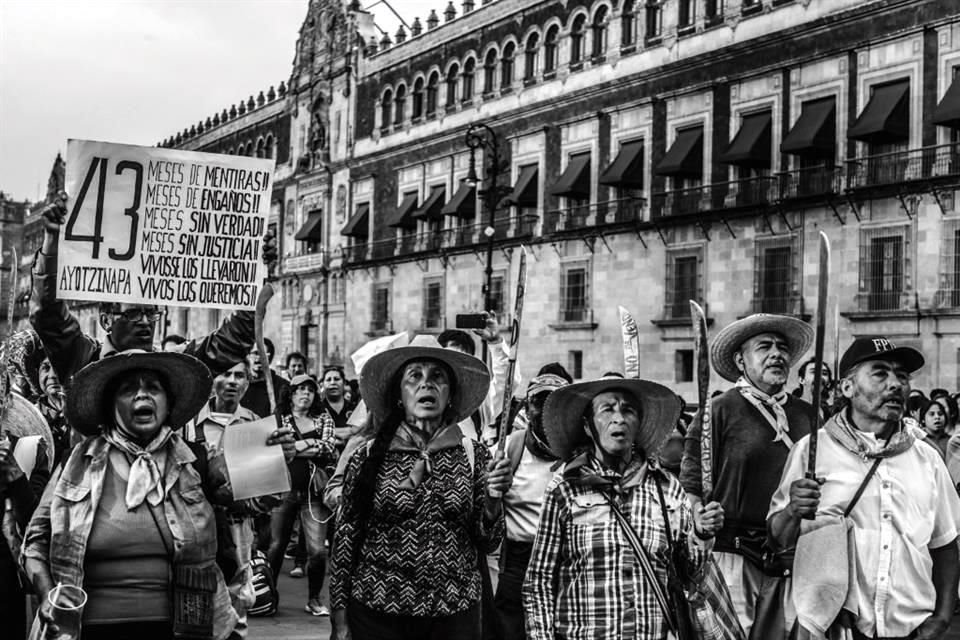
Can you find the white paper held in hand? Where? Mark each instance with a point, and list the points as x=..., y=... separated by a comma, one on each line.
x=256, y=469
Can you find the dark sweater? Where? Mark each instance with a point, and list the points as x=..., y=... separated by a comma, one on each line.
x=747, y=462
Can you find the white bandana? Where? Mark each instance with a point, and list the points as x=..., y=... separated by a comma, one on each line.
x=771, y=407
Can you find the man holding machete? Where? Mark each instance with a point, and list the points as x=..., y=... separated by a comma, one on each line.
x=901, y=581
x=755, y=425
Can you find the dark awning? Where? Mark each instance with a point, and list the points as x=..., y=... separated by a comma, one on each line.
x=432, y=209
x=463, y=204
x=575, y=180
x=524, y=193
x=626, y=170
x=751, y=145
x=403, y=216
x=886, y=118
x=685, y=157
x=310, y=231
x=815, y=130
x=947, y=113
x=357, y=225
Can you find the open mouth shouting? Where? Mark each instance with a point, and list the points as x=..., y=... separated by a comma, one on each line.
x=144, y=412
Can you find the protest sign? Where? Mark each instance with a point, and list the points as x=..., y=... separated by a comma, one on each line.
x=255, y=468
x=163, y=226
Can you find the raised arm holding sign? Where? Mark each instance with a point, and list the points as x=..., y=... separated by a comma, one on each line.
x=130, y=241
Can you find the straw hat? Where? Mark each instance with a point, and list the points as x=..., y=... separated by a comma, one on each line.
x=727, y=342
x=472, y=379
x=563, y=413
x=21, y=419
x=189, y=383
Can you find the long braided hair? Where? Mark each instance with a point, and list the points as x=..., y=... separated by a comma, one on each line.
x=360, y=501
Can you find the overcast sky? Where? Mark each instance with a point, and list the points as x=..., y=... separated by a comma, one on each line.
x=137, y=71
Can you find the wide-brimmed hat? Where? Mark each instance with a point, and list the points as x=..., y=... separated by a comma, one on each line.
x=472, y=379
x=727, y=342
x=189, y=383
x=563, y=413
x=21, y=419
x=879, y=348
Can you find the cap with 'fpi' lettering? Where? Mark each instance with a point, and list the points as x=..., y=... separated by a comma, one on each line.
x=879, y=348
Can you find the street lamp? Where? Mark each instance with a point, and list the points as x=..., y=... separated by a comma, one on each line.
x=480, y=136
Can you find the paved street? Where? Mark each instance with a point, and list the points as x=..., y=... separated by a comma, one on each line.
x=291, y=622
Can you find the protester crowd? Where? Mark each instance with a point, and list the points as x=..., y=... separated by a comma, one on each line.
x=607, y=509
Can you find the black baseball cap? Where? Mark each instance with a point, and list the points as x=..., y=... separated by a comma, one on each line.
x=879, y=348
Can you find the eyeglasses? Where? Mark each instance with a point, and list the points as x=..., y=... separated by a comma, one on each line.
x=136, y=315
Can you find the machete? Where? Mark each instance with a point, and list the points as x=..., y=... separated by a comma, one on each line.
x=631, y=344
x=12, y=300
x=701, y=361
x=823, y=282
x=512, y=350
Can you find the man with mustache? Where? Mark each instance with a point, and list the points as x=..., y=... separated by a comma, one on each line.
x=899, y=578
x=127, y=326
x=755, y=425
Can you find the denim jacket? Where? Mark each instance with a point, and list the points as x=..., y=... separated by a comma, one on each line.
x=61, y=525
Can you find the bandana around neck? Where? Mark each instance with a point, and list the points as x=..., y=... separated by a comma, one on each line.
x=770, y=407
x=145, y=479
x=412, y=439
x=585, y=470
x=852, y=439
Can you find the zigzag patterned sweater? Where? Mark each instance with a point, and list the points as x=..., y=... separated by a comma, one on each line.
x=420, y=553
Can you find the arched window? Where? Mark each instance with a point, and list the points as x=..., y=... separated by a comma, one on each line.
x=386, y=109
x=260, y=148
x=417, y=109
x=599, y=33
x=550, y=49
x=530, y=57
x=432, y=87
x=576, y=39
x=468, y=70
x=400, y=103
x=489, y=70
x=627, y=19
x=506, y=66
x=452, y=85
x=268, y=151
x=249, y=151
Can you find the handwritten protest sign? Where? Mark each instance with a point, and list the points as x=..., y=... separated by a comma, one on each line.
x=163, y=226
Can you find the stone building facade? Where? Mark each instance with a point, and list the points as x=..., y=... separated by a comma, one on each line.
x=647, y=153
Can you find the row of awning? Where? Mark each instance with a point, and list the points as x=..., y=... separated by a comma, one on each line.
x=884, y=119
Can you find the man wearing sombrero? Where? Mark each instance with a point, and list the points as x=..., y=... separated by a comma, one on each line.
x=755, y=425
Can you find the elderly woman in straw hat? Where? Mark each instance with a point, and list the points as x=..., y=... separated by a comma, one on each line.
x=417, y=508
x=128, y=519
x=585, y=580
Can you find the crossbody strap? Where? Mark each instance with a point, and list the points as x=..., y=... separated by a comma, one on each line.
x=646, y=564
x=863, y=485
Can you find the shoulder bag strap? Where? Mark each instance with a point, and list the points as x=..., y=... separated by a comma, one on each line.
x=863, y=485
x=646, y=564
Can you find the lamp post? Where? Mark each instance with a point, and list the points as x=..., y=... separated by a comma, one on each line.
x=481, y=136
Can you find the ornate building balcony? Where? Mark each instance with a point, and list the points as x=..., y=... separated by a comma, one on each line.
x=599, y=214
x=938, y=164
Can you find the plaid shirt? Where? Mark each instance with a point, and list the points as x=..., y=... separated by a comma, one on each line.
x=583, y=580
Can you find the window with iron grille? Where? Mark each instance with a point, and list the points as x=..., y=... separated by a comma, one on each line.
x=948, y=293
x=777, y=275
x=380, y=319
x=575, y=363
x=433, y=303
x=684, y=281
x=497, y=301
x=683, y=365
x=884, y=259
x=574, y=293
